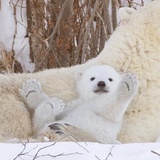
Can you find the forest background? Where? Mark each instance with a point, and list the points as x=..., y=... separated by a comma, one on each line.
x=41, y=34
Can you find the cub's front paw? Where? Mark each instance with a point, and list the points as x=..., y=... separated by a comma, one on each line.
x=130, y=82
x=51, y=106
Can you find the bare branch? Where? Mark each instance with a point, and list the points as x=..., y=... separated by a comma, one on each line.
x=110, y=152
x=155, y=153
x=87, y=29
x=57, y=24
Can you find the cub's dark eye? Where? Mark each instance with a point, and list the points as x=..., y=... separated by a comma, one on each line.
x=110, y=79
x=92, y=79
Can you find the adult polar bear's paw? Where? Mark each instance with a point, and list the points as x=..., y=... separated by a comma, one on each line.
x=56, y=132
x=61, y=131
x=32, y=93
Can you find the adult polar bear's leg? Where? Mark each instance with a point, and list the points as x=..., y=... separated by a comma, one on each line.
x=64, y=132
x=14, y=118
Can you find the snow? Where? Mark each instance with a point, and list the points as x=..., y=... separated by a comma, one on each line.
x=13, y=34
x=79, y=151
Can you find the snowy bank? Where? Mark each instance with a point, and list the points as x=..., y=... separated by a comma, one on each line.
x=79, y=151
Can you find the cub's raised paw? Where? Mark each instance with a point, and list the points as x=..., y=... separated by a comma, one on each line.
x=131, y=82
x=30, y=86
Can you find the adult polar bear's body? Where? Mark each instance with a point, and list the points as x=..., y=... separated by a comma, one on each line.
x=134, y=46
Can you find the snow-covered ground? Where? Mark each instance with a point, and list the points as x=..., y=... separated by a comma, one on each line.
x=79, y=151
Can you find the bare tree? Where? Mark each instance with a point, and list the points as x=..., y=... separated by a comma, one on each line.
x=68, y=31
x=37, y=32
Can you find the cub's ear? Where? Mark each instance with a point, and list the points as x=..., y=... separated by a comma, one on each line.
x=77, y=75
x=125, y=13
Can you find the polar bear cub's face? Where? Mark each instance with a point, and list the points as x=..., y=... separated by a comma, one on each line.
x=98, y=80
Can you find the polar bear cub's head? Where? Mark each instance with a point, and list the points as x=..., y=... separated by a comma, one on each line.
x=96, y=81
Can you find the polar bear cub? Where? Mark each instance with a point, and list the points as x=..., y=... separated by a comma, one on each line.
x=103, y=97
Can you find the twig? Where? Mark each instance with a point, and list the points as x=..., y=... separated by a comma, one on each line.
x=58, y=155
x=110, y=153
x=61, y=154
x=15, y=32
x=108, y=18
x=155, y=153
x=36, y=155
x=20, y=6
x=105, y=30
x=87, y=29
x=114, y=14
x=57, y=24
x=22, y=153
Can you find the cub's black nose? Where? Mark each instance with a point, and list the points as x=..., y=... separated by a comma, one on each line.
x=101, y=84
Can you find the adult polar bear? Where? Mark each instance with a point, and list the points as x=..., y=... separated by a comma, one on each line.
x=134, y=46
